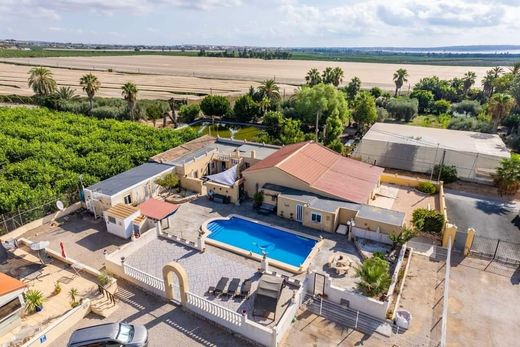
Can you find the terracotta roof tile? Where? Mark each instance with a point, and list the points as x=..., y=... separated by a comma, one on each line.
x=9, y=284
x=157, y=209
x=325, y=170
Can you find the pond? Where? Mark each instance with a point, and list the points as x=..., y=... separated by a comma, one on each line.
x=235, y=132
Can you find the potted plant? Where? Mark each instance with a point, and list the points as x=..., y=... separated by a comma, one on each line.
x=57, y=288
x=33, y=301
x=73, y=293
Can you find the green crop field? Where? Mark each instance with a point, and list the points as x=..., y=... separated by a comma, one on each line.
x=43, y=153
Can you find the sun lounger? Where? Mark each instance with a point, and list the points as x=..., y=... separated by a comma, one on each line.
x=233, y=287
x=221, y=285
x=245, y=289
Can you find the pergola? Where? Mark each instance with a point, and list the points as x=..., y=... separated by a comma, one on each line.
x=159, y=211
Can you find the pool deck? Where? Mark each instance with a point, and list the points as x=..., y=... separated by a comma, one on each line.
x=205, y=269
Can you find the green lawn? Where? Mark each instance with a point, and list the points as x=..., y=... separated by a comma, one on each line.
x=244, y=133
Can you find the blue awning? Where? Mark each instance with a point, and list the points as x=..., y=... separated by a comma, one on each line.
x=227, y=177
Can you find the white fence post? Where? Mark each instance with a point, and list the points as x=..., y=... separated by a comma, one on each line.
x=357, y=318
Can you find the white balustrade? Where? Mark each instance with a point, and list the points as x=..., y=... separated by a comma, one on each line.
x=142, y=276
x=215, y=310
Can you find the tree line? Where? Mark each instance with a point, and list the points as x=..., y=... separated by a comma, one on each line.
x=247, y=53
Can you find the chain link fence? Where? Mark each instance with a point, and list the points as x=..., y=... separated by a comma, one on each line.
x=18, y=218
x=499, y=250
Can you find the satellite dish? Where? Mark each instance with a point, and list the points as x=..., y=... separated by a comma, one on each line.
x=60, y=205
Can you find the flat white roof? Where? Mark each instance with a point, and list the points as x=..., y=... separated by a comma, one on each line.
x=457, y=140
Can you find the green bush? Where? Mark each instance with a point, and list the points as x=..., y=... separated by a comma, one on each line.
x=189, y=113
x=429, y=221
x=427, y=188
x=33, y=300
x=169, y=181
x=403, y=108
x=448, y=173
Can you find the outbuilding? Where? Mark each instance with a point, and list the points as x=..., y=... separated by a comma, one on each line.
x=11, y=302
x=120, y=220
x=418, y=149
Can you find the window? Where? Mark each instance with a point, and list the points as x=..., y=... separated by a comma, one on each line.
x=128, y=199
x=111, y=220
x=273, y=197
x=316, y=217
x=10, y=308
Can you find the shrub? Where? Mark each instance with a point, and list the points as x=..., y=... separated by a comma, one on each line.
x=108, y=112
x=402, y=108
x=33, y=300
x=440, y=106
x=215, y=105
x=470, y=124
x=448, y=173
x=402, y=237
x=103, y=279
x=427, y=188
x=246, y=109
x=429, y=221
x=168, y=181
x=258, y=199
x=375, y=276
x=57, y=288
x=376, y=92
x=467, y=107
x=189, y=113
x=507, y=177
x=73, y=294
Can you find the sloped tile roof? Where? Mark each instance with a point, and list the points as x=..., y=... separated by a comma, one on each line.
x=325, y=170
x=9, y=284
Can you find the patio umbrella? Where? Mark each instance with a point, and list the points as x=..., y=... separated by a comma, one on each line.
x=63, y=250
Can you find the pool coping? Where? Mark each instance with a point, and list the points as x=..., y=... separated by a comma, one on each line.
x=251, y=255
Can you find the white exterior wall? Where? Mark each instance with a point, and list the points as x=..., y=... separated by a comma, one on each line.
x=123, y=227
x=422, y=159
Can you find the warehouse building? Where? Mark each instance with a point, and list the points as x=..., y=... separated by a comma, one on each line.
x=418, y=149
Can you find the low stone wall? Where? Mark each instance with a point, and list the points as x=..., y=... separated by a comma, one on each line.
x=60, y=326
x=16, y=233
x=395, y=304
x=193, y=184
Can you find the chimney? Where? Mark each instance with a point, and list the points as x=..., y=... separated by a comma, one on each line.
x=253, y=154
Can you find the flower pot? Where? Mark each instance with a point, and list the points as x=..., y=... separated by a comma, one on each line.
x=39, y=308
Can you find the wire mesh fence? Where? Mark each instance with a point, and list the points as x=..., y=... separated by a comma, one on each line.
x=18, y=218
x=495, y=249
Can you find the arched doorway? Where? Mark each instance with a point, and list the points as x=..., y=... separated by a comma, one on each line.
x=168, y=271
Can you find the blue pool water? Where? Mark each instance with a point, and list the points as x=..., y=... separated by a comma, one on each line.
x=280, y=245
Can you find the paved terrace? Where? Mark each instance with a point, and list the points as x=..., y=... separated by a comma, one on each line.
x=25, y=266
x=404, y=199
x=206, y=269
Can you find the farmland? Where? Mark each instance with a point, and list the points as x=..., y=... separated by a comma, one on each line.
x=43, y=153
x=163, y=77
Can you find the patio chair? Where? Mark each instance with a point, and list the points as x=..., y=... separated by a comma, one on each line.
x=245, y=289
x=221, y=285
x=232, y=288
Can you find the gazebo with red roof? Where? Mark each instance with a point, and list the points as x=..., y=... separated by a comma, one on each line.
x=158, y=211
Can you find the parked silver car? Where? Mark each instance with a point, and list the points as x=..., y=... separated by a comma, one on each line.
x=110, y=334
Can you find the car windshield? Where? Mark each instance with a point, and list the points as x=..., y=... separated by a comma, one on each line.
x=126, y=333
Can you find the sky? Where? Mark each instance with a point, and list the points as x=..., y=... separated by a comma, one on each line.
x=283, y=23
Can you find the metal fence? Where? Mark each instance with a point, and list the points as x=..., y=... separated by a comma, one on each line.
x=346, y=316
x=18, y=218
x=498, y=250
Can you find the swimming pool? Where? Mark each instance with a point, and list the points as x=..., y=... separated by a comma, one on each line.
x=255, y=237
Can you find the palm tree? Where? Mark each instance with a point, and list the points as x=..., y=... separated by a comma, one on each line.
x=374, y=276
x=515, y=69
x=326, y=76
x=91, y=85
x=500, y=106
x=264, y=104
x=129, y=93
x=313, y=77
x=337, y=76
x=497, y=70
x=270, y=89
x=468, y=81
x=488, y=84
x=41, y=81
x=66, y=93
x=400, y=77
